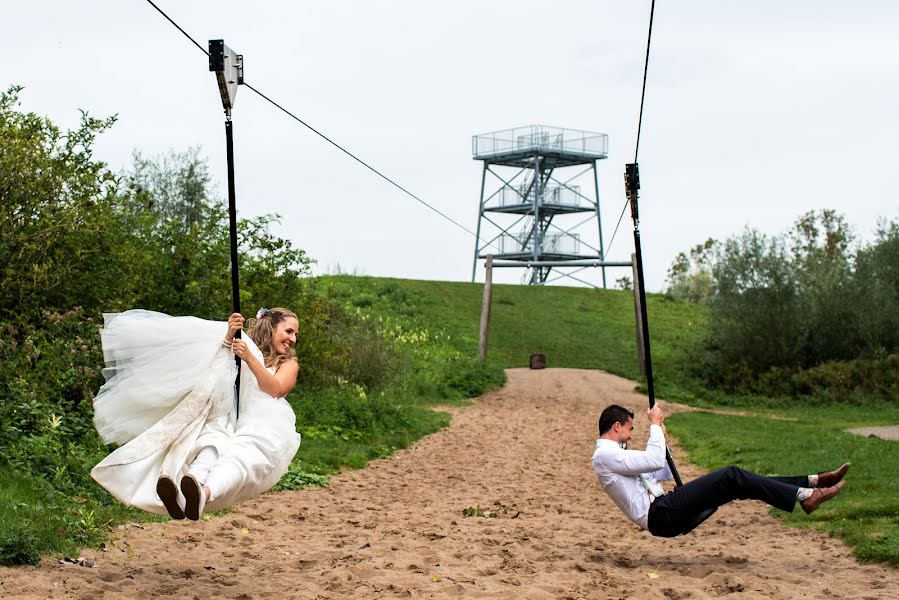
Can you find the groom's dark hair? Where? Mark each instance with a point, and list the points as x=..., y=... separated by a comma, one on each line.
x=611, y=415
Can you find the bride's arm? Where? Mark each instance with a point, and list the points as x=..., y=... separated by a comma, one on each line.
x=277, y=385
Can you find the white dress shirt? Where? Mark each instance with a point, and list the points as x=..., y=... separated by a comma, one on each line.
x=619, y=472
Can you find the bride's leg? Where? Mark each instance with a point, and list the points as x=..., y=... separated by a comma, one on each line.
x=204, y=462
x=226, y=477
x=192, y=485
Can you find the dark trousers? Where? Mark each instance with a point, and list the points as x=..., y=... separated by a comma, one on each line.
x=686, y=506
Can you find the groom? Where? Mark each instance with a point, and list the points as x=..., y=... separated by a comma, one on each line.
x=627, y=476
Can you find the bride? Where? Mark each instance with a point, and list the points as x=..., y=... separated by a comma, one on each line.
x=169, y=403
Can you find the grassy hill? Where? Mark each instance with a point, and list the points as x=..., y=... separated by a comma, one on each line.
x=573, y=327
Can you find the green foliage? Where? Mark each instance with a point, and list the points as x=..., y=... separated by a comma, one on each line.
x=782, y=305
x=188, y=271
x=690, y=276
x=877, y=277
x=56, y=207
x=853, y=381
x=755, y=296
x=174, y=187
x=47, y=380
x=19, y=546
x=624, y=283
x=295, y=478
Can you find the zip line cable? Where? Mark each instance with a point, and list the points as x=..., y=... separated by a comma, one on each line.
x=621, y=216
x=178, y=27
x=652, y=9
x=357, y=159
x=324, y=137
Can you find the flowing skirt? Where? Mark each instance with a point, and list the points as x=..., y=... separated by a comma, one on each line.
x=169, y=393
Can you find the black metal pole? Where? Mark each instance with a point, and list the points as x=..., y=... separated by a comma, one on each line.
x=632, y=182
x=232, y=226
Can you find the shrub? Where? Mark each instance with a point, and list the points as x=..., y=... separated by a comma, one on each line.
x=18, y=545
x=780, y=306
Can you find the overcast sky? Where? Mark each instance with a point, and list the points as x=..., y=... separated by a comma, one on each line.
x=756, y=112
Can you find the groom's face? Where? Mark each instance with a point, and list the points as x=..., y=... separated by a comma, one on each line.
x=624, y=430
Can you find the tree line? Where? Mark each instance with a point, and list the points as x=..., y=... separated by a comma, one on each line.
x=810, y=309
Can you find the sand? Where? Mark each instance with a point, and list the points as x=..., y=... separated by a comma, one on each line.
x=886, y=432
x=396, y=528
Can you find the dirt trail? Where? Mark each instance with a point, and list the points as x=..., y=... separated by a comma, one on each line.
x=396, y=529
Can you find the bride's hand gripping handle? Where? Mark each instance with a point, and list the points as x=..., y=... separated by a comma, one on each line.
x=235, y=324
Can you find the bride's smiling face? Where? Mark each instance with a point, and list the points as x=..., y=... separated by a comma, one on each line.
x=285, y=336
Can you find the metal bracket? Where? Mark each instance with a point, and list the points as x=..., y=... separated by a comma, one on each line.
x=228, y=68
x=632, y=184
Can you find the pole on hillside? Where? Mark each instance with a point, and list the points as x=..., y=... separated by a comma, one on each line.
x=485, y=309
x=228, y=68
x=641, y=351
x=632, y=184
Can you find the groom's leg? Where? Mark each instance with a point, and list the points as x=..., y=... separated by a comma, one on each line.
x=678, y=510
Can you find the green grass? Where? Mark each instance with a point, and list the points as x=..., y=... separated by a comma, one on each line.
x=36, y=520
x=864, y=514
x=574, y=327
x=327, y=448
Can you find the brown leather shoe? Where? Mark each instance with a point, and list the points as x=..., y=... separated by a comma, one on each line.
x=831, y=478
x=820, y=496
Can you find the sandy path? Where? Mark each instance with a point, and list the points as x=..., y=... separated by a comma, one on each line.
x=396, y=530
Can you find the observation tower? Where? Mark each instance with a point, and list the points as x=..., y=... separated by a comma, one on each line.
x=539, y=210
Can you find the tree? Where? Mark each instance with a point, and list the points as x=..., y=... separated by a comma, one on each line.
x=821, y=244
x=797, y=300
x=185, y=229
x=877, y=282
x=175, y=187
x=690, y=276
x=58, y=215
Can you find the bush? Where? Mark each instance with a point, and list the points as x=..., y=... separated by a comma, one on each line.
x=18, y=545
x=783, y=307
x=47, y=379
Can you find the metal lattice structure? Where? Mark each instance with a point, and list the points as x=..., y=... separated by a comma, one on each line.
x=536, y=175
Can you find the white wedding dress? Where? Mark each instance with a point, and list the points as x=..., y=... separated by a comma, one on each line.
x=169, y=393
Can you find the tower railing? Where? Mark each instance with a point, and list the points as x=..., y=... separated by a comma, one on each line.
x=524, y=194
x=553, y=243
x=540, y=138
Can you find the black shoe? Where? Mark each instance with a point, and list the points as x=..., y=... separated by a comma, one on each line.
x=195, y=497
x=171, y=496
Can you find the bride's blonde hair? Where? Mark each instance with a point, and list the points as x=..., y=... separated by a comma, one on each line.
x=261, y=331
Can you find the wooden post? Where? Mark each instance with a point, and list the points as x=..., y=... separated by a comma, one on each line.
x=485, y=309
x=641, y=352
